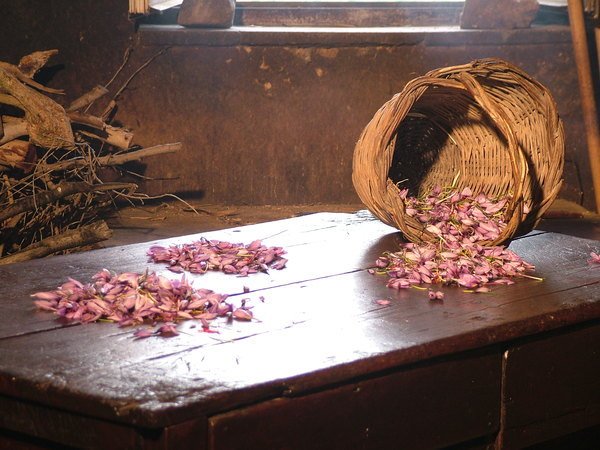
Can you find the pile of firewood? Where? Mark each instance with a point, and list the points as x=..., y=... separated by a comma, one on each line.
x=52, y=197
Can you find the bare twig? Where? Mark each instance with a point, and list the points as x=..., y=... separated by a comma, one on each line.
x=126, y=56
x=134, y=74
x=85, y=235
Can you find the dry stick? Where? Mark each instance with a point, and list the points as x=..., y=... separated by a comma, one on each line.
x=113, y=159
x=10, y=100
x=126, y=56
x=30, y=64
x=13, y=130
x=14, y=71
x=112, y=103
x=586, y=89
x=63, y=190
x=133, y=75
x=87, y=98
x=119, y=137
x=85, y=235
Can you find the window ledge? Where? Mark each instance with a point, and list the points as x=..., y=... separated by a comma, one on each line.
x=175, y=35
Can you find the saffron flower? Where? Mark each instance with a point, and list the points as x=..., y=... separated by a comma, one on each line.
x=383, y=302
x=204, y=255
x=435, y=295
x=134, y=299
x=459, y=221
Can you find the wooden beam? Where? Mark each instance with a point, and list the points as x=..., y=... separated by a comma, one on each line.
x=586, y=89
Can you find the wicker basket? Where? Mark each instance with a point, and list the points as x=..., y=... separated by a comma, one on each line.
x=486, y=124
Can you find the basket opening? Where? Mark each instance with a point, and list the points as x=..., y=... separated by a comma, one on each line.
x=446, y=137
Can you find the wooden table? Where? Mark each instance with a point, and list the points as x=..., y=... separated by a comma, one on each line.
x=323, y=366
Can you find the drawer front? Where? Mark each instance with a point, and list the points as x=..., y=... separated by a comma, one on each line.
x=421, y=407
x=552, y=387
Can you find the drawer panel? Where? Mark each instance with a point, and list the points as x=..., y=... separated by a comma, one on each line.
x=422, y=407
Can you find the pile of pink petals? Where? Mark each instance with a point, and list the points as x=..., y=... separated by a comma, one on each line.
x=132, y=299
x=204, y=255
x=459, y=220
x=458, y=216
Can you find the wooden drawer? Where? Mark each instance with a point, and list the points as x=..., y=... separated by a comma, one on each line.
x=429, y=406
x=552, y=387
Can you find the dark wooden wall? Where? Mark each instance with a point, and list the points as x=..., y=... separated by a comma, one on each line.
x=270, y=119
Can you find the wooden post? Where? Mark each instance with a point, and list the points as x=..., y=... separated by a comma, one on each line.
x=586, y=89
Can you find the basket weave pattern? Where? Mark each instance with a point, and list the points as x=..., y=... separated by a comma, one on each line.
x=485, y=125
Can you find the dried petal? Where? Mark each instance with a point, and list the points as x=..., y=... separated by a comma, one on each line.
x=242, y=314
x=143, y=333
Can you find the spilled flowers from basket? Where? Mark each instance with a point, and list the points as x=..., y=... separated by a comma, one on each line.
x=459, y=220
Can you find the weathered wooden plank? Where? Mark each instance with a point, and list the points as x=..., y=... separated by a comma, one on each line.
x=552, y=387
x=422, y=407
x=312, y=243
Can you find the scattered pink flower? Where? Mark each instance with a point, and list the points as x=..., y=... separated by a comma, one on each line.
x=143, y=333
x=133, y=299
x=594, y=258
x=383, y=302
x=435, y=295
x=242, y=314
x=167, y=330
x=204, y=255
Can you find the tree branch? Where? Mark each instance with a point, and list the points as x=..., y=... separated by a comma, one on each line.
x=63, y=190
x=85, y=235
x=113, y=159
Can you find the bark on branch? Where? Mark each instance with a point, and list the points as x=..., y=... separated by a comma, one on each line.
x=63, y=190
x=113, y=159
x=85, y=235
x=119, y=137
x=87, y=98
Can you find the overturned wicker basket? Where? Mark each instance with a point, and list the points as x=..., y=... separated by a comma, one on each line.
x=486, y=124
